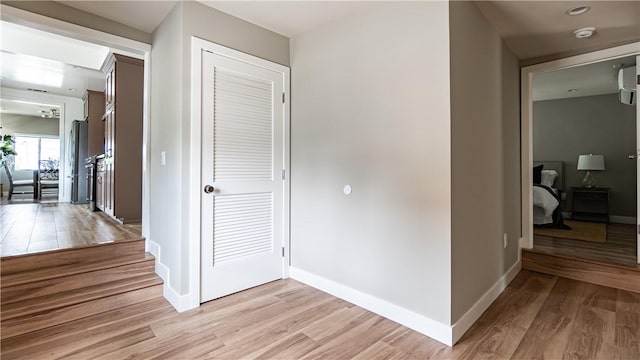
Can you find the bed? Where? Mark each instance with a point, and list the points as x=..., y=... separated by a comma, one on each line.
x=547, y=194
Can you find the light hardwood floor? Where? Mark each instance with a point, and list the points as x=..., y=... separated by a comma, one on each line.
x=537, y=316
x=620, y=248
x=36, y=227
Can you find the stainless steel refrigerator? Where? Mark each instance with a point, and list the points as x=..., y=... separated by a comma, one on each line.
x=78, y=142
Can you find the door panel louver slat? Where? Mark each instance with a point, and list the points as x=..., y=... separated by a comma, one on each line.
x=243, y=123
x=243, y=226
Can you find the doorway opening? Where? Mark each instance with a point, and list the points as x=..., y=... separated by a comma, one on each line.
x=584, y=137
x=56, y=212
x=565, y=125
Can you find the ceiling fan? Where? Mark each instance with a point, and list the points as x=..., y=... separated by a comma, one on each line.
x=50, y=114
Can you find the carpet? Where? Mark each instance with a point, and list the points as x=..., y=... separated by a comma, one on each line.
x=587, y=231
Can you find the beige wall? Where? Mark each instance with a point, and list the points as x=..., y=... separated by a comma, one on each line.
x=370, y=108
x=485, y=154
x=171, y=116
x=566, y=128
x=23, y=124
x=166, y=190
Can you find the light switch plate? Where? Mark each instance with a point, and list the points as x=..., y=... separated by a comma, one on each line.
x=163, y=158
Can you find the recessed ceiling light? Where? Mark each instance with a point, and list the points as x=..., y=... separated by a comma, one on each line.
x=72, y=89
x=584, y=33
x=578, y=10
x=572, y=90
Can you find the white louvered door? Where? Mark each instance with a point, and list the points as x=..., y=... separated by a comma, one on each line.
x=242, y=158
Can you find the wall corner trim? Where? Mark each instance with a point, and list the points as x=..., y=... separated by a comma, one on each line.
x=473, y=314
x=408, y=318
x=179, y=302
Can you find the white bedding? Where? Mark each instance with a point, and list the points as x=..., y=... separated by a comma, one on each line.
x=546, y=204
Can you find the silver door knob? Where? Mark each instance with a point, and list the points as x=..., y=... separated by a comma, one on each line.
x=631, y=157
x=208, y=189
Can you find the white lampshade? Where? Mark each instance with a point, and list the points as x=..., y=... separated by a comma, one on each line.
x=591, y=162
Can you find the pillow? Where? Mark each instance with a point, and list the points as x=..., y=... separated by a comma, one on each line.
x=548, y=177
x=537, y=174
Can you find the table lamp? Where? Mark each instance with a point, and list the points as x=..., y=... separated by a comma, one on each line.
x=590, y=163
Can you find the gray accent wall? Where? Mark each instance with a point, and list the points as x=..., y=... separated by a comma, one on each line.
x=485, y=156
x=370, y=108
x=171, y=117
x=566, y=128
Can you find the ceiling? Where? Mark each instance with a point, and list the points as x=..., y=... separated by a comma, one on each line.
x=532, y=29
x=34, y=59
x=29, y=108
x=26, y=72
x=290, y=18
x=287, y=18
x=587, y=80
x=41, y=62
x=535, y=29
x=143, y=15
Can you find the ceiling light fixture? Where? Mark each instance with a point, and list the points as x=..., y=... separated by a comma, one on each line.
x=49, y=114
x=584, y=33
x=72, y=89
x=572, y=90
x=578, y=10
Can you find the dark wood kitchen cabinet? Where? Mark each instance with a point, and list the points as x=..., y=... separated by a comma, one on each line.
x=93, y=112
x=123, y=138
x=100, y=184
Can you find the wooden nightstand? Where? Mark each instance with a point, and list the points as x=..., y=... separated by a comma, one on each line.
x=590, y=204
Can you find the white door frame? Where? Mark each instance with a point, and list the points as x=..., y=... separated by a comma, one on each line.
x=195, y=183
x=526, y=122
x=637, y=154
x=129, y=47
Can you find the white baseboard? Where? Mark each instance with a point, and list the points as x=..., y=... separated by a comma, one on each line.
x=178, y=301
x=473, y=314
x=408, y=318
x=622, y=219
x=522, y=243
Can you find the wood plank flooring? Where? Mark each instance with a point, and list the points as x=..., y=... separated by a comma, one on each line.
x=537, y=316
x=36, y=227
x=615, y=276
x=611, y=264
x=620, y=248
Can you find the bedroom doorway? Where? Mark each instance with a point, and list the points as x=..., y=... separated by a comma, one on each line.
x=607, y=212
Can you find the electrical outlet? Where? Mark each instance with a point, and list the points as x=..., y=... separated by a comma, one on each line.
x=505, y=239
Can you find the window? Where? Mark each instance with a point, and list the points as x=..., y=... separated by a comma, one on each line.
x=32, y=149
